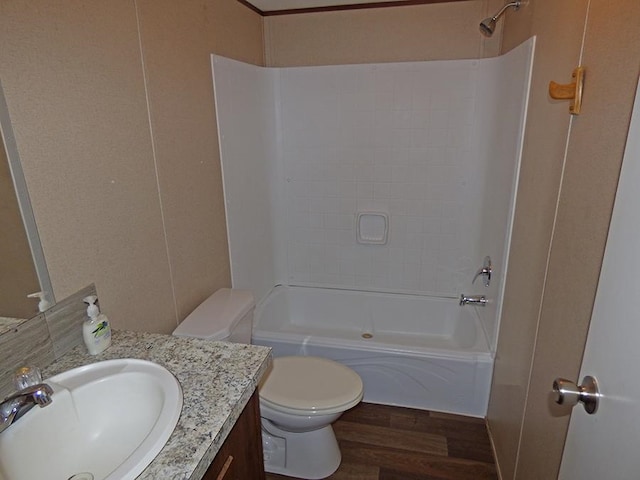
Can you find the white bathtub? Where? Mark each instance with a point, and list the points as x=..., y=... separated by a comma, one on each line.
x=411, y=351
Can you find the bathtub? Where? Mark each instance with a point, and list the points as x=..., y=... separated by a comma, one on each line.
x=411, y=351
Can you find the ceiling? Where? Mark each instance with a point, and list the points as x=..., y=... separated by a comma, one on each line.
x=289, y=6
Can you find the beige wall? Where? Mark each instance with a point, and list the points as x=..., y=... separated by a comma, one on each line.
x=113, y=114
x=17, y=273
x=555, y=258
x=178, y=38
x=395, y=34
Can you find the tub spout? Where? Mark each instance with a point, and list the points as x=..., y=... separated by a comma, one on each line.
x=477, y=300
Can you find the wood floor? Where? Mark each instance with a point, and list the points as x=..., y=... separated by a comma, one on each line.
x=391, y=443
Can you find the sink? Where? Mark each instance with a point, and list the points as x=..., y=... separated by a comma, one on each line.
x=107, y=421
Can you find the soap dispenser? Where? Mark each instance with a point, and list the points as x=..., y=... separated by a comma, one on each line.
x=43, y=304
x=95, y=330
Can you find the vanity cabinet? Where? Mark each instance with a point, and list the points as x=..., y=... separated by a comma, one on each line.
x=240, y=457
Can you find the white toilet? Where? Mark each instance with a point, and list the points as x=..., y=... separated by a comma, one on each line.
x=299, y=398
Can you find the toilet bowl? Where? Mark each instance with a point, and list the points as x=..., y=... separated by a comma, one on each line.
x=300, y=397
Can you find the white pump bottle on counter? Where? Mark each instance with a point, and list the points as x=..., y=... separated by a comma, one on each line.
x=96, y=330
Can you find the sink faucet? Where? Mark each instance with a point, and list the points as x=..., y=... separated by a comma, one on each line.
x=15, y=406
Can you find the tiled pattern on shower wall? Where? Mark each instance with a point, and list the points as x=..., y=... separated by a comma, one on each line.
x=504, y=83
x=435, y=145
x=245, y=105
x=393, y=138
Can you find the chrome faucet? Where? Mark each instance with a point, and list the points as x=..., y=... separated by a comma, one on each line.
x=477, y=300
x=485, y=271
x=15, y=406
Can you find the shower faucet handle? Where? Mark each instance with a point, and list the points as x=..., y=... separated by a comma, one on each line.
x=485, y=271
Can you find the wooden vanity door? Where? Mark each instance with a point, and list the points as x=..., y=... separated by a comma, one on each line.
x=240, y=457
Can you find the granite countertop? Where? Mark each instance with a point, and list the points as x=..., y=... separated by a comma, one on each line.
x=217, y=379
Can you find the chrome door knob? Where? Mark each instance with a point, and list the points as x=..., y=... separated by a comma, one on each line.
x=568, y=393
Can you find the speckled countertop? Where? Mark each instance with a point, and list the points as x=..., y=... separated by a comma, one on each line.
x=217, y=380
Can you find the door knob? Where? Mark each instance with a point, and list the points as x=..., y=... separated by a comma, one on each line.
x=568, y=393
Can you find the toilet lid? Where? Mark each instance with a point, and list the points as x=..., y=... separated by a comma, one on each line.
x=311, y=384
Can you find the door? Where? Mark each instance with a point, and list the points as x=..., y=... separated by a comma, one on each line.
x=605, y=445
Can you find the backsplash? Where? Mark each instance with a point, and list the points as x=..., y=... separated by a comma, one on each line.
x=43, y=338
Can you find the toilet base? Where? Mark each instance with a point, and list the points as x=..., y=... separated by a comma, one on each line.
x=310, y=455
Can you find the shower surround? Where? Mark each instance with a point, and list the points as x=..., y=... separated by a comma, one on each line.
x=433, y=145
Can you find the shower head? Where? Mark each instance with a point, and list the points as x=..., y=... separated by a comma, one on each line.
x=488, y=25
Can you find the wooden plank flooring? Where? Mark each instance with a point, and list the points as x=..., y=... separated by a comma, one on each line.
x=392, y=443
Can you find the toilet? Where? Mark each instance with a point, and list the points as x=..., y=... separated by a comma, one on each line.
x=300, y=397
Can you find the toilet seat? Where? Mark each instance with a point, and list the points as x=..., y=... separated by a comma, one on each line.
x=310, y=386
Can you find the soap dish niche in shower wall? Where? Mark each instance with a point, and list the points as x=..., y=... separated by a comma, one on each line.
x=372, y=228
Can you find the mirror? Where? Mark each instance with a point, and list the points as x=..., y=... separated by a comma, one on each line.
x=22, y=266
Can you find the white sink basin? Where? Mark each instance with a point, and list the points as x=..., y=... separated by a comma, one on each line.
x=107, y=420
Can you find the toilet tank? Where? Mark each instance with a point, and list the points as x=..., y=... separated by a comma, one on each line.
x=227, y=315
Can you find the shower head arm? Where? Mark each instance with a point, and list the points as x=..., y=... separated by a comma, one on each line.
x=515, y=4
